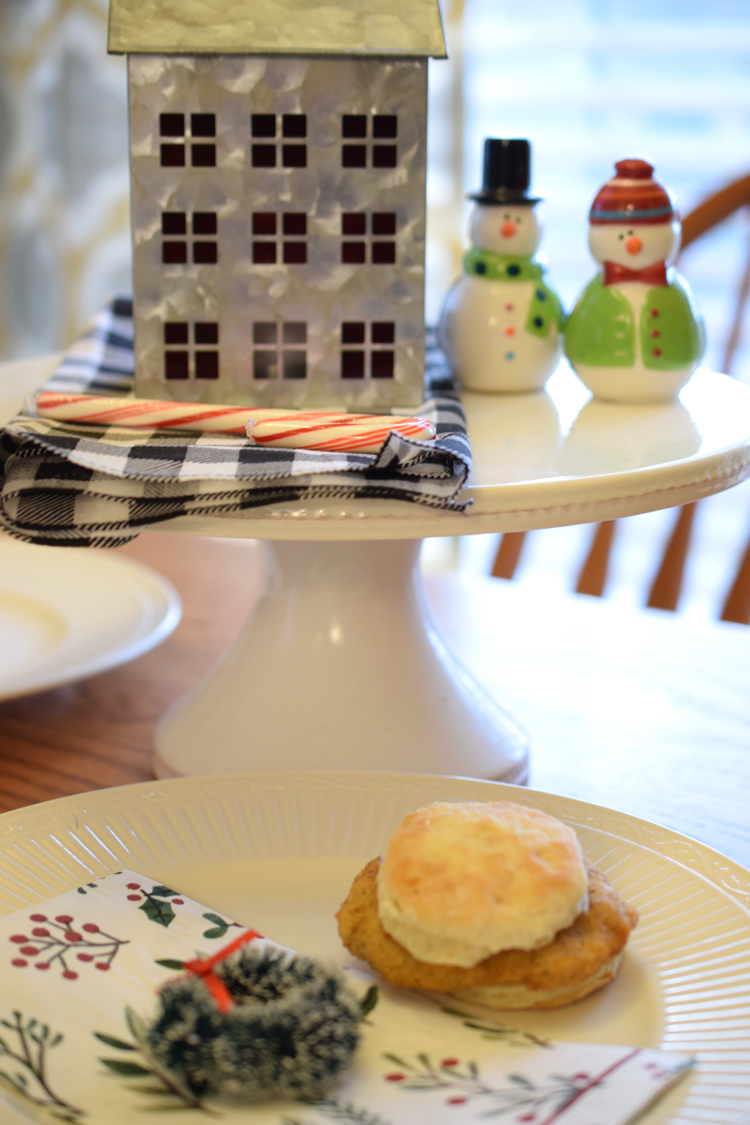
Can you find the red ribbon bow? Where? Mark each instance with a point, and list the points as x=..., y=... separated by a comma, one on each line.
x=203, y=967
x=651, y=275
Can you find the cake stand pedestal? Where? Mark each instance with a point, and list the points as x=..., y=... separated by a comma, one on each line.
x=339, y=663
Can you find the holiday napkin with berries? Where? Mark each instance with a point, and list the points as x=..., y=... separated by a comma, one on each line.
x=72, y=966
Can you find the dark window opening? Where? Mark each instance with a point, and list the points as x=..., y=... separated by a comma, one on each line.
x=205, y=253
x=175, y=332
x=204, y=222
x=353, y=222
x=384, y=222
x=263, y=124
x=206, y=332
x=207, y=365
x=294, y=125
x=265, y=365
x=264, y=222
x=174, y=253
x=354, y=156
x=264, y=156
x=352, y=365
x=294, y=156
x=203, y=124
x=353, y=332
x=353, y=253
x=270, y=359
x=294, y=332
x=173, y=156
x=384, y=126
x=173, y=222
x=382, y=365
x=295, y=253
x=354, y=125
x=383, y=253
x=294, y=222
x=172, y=124
x=264, y=253
x=383, y=332
x=384, y=156
x=264, y=332
x=203, y=156
x=294, y=364
x=176, y=365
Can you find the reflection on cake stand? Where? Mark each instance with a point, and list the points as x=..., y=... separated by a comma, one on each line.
x=340, y=666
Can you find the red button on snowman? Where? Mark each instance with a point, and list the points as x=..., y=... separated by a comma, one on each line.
x=634, y=334
x=500, y=324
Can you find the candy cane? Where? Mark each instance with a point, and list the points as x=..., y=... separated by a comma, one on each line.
x=297, y=429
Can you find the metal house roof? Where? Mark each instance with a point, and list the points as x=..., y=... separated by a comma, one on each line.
x=284, y=27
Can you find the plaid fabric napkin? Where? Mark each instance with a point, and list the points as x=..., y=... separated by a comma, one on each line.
x=68, y=1053
x=81, y=485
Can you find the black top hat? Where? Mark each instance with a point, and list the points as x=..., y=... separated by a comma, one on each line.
x=506, y=173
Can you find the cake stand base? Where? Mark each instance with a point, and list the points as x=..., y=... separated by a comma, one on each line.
x=340, y=667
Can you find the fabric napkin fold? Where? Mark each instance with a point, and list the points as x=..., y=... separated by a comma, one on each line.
x=71, y=966
x=82, y=485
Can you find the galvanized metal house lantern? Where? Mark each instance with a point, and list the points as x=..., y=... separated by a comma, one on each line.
x=278, y=197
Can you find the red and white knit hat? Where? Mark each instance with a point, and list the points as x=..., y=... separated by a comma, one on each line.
x=632, y=196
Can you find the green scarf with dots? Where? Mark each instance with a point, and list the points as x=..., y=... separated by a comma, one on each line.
x=544, y=308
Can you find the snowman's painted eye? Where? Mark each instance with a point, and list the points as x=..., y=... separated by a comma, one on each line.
x=621, y=236
x=518, y=220
x=506, y=216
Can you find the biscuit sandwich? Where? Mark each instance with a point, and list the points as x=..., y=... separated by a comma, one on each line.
x=490, y=902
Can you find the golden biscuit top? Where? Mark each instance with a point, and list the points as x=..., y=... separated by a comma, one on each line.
x=462, y=881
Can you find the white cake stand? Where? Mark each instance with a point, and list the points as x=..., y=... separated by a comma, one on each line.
x=339, y=665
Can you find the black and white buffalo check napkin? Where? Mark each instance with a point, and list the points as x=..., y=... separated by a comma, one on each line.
x=91, y=485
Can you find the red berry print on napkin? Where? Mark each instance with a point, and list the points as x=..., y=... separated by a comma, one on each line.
x=60, y=943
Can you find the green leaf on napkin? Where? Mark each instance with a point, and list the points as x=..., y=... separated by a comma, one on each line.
x=127, y=1068
x=157, y=910
x=166, y=963
x=111, y=1041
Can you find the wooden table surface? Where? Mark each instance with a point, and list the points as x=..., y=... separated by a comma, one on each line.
x=644, y=712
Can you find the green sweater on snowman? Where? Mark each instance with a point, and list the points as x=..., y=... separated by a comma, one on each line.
x=601, y=331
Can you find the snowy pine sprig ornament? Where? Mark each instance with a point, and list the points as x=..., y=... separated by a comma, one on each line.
x=253, y=1022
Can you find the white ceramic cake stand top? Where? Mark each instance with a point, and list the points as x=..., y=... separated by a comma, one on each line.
x=339, y=665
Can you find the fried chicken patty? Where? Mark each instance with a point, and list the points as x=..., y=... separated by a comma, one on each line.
x=581, y=958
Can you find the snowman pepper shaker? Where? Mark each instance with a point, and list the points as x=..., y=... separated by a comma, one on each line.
x=500, y=323
x=634, y=334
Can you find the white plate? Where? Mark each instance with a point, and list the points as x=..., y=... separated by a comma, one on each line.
x=278, y=851
x=67, y=614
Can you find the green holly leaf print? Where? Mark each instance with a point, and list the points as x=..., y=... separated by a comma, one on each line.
x=158, y=910
x=129, y=1069
x=163, y=892
x=166, y=963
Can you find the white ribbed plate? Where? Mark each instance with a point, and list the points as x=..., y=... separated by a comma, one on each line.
x=66, y=615
x=278, y=851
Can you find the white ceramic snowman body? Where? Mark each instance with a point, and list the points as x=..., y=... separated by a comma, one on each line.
x=500, y=323
x=634, y=334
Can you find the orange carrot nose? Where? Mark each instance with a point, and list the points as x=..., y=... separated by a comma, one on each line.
x=633, y=245
x=508, y=229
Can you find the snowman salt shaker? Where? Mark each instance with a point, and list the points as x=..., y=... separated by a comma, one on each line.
x=500, y=323
x=634, y=334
